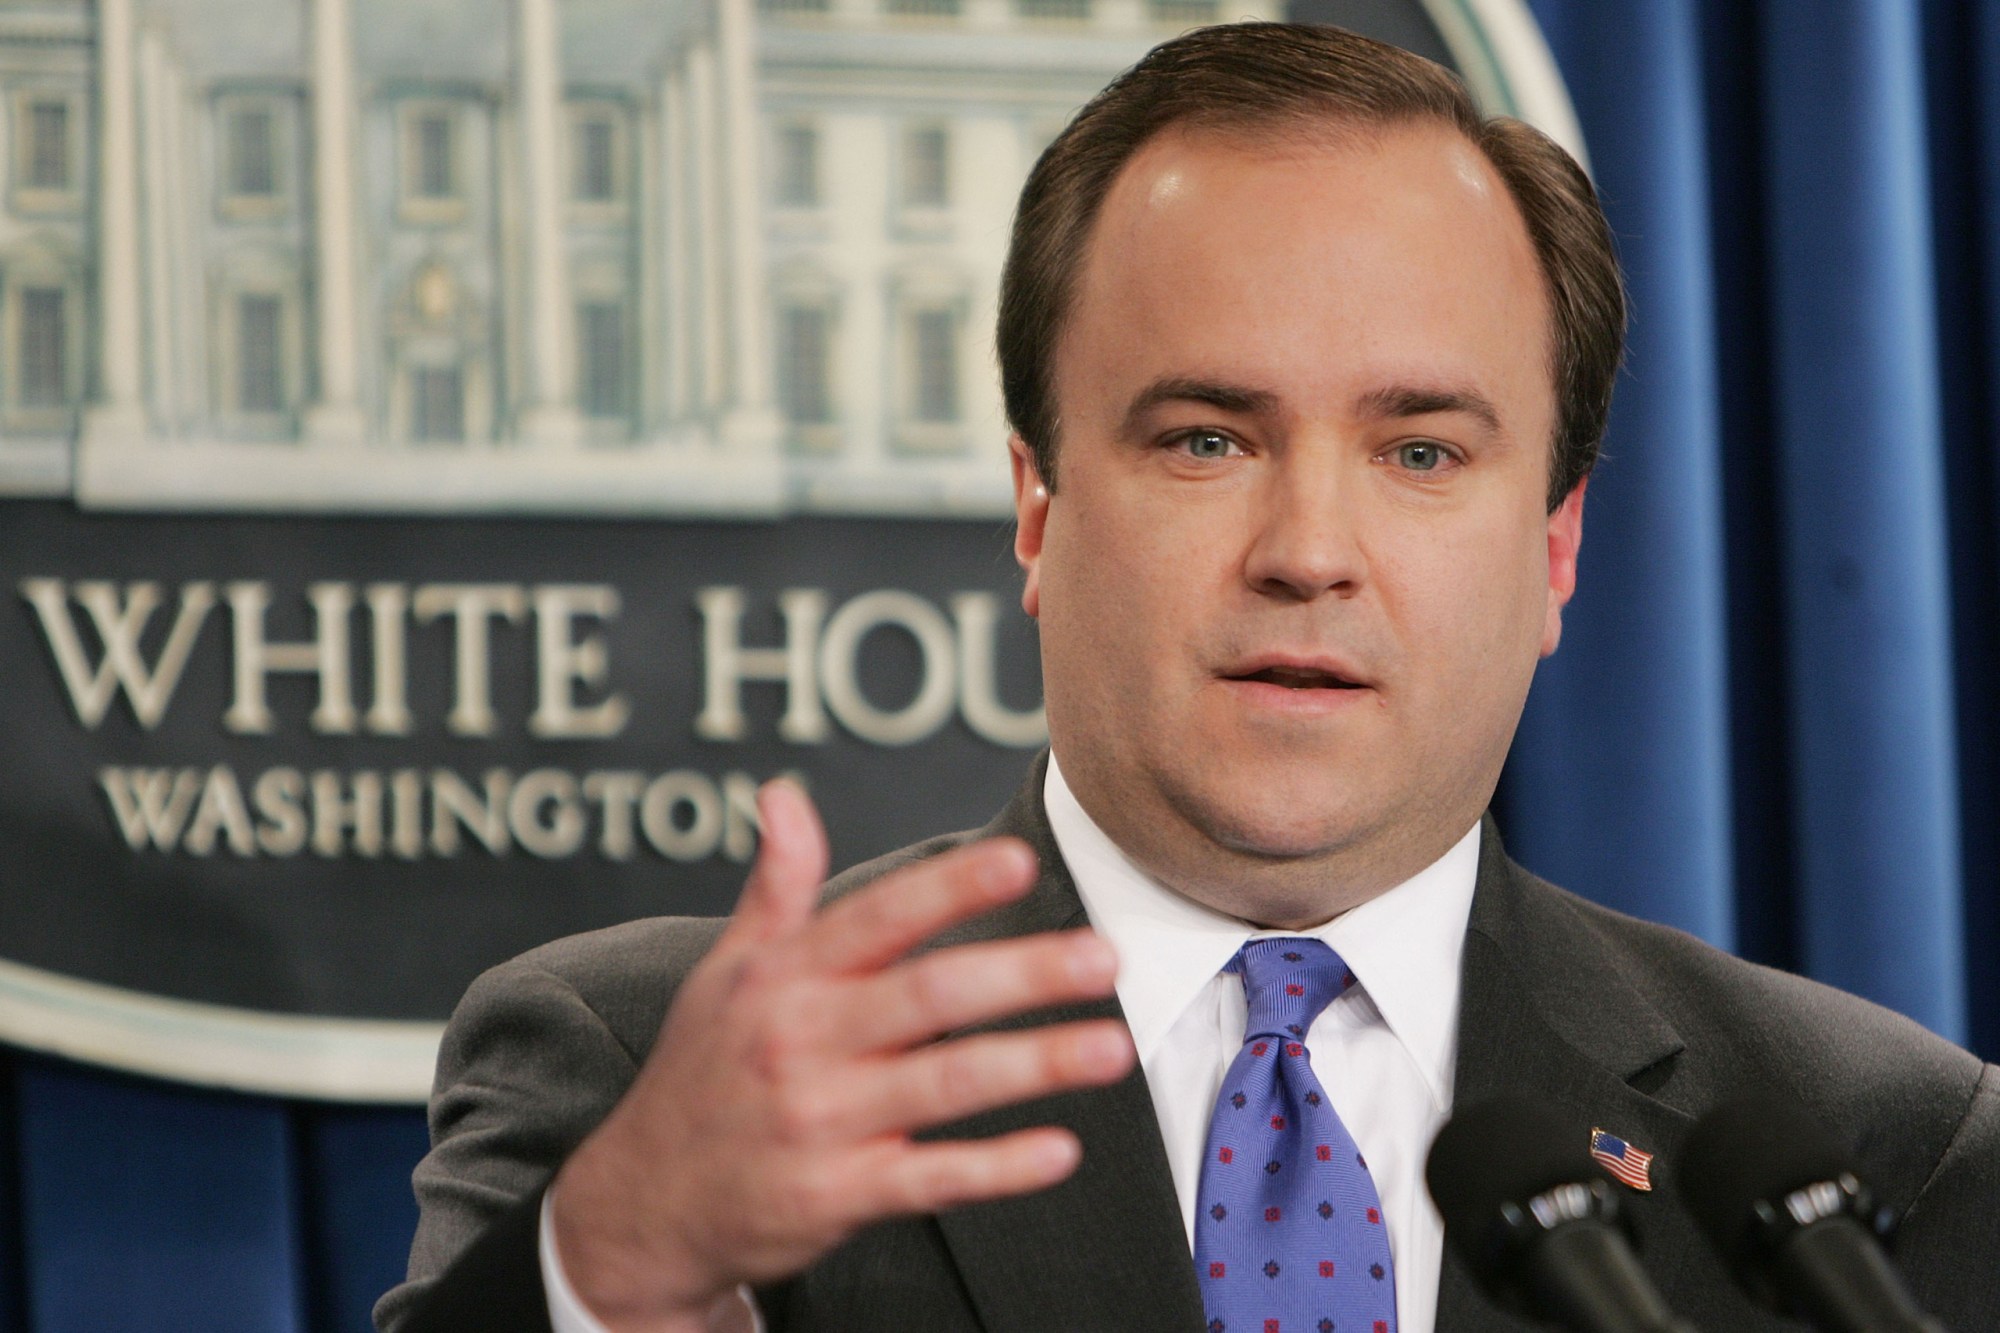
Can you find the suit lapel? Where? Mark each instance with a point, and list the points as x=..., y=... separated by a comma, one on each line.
x=1545, y=1011
x=1106, y=1248
x=1103, y=1250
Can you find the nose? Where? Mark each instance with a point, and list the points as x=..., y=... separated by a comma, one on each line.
x=1304, y=543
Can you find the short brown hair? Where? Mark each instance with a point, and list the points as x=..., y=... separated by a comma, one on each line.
x=1255, y=76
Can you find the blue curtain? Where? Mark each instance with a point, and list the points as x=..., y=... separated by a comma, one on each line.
x=1771, y=721
x=136, y=1205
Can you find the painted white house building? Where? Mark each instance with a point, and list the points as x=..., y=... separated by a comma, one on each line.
x=616, y=256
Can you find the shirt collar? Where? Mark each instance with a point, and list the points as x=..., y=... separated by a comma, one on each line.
x=1403, y=946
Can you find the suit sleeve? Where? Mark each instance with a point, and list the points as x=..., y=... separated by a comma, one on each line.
x=526, y=1070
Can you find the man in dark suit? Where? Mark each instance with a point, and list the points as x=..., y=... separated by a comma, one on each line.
x=1328, y=358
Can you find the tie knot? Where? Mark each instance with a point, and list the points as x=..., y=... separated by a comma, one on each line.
x=1288, y=981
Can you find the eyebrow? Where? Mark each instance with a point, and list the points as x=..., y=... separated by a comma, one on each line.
x=1234, y=398
x=1391, y=402
x=1401, y=400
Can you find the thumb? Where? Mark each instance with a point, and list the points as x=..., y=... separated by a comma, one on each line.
x=784, y=883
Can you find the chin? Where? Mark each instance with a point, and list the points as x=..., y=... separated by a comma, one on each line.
x=1299, y=826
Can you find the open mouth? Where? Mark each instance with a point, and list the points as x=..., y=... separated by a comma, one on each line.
x=1300, y=678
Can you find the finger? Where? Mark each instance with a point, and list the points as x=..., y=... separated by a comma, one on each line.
x=974, y=983
x=784, y=883
x=954, y=1079
x=881, y=923
x=930, y=1177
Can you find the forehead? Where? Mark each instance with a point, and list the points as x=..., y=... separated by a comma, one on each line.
x=1311, y=260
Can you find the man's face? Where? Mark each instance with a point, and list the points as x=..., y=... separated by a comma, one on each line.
x=1299, y=568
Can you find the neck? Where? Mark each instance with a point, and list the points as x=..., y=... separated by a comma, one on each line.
x=1289, y=887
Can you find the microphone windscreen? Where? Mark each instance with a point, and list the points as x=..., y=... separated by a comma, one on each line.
x=1503, y=1151
x=1755, y=1148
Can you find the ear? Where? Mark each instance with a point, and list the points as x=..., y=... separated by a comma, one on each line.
x=1031, y=517
x=1565, y=537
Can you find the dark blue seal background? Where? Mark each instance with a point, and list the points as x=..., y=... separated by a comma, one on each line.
x=389, y=936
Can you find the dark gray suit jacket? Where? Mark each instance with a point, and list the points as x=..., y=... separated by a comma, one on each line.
x=1628, y=1025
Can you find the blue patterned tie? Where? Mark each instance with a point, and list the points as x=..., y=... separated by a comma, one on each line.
x=1288, y=1228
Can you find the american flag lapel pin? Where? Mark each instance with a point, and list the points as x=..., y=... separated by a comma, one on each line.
x=1628, y=1164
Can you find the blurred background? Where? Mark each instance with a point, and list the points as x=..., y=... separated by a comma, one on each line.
x=452, y=450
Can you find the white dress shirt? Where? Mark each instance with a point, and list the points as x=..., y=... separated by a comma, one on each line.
x=1384, y=1050
x=734, y=1313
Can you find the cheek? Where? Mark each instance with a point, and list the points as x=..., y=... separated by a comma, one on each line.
x=1097, y=590
x=1127, y=590
x=1474, y=599
x=1108, y=547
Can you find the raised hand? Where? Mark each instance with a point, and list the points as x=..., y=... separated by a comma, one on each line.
x=774, y=1116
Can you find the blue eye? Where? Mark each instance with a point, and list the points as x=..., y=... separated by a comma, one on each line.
x=1420, y=455
x=1207, y=444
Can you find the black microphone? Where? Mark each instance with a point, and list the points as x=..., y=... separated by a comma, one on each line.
x=1794, y=1220
x=1538, y=1224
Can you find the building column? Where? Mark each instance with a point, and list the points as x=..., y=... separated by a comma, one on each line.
x=335, y=416
x=1119, y=15
x=989, y=14
x=158, y=148
x=751, y=404
x=549, y=416
x=679, y=263
x=649, y=203
x=119, y=414
x=710, y=233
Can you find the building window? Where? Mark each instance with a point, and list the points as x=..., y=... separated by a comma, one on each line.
x=437, y=404
x=804, y=364
x=798, y=166
x=431, y=165
x=48, y=146
x=924, y=8
x=926, y=167
x=253, y=140
x=599, y=161
x=596, y=175
x=260, y=383
x=432, y=174
x=44, y=368
x=793, y=6
x=253, y=153
x=934, y=337
x=601, y=342
x=434, y=158
x=1053, y=9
